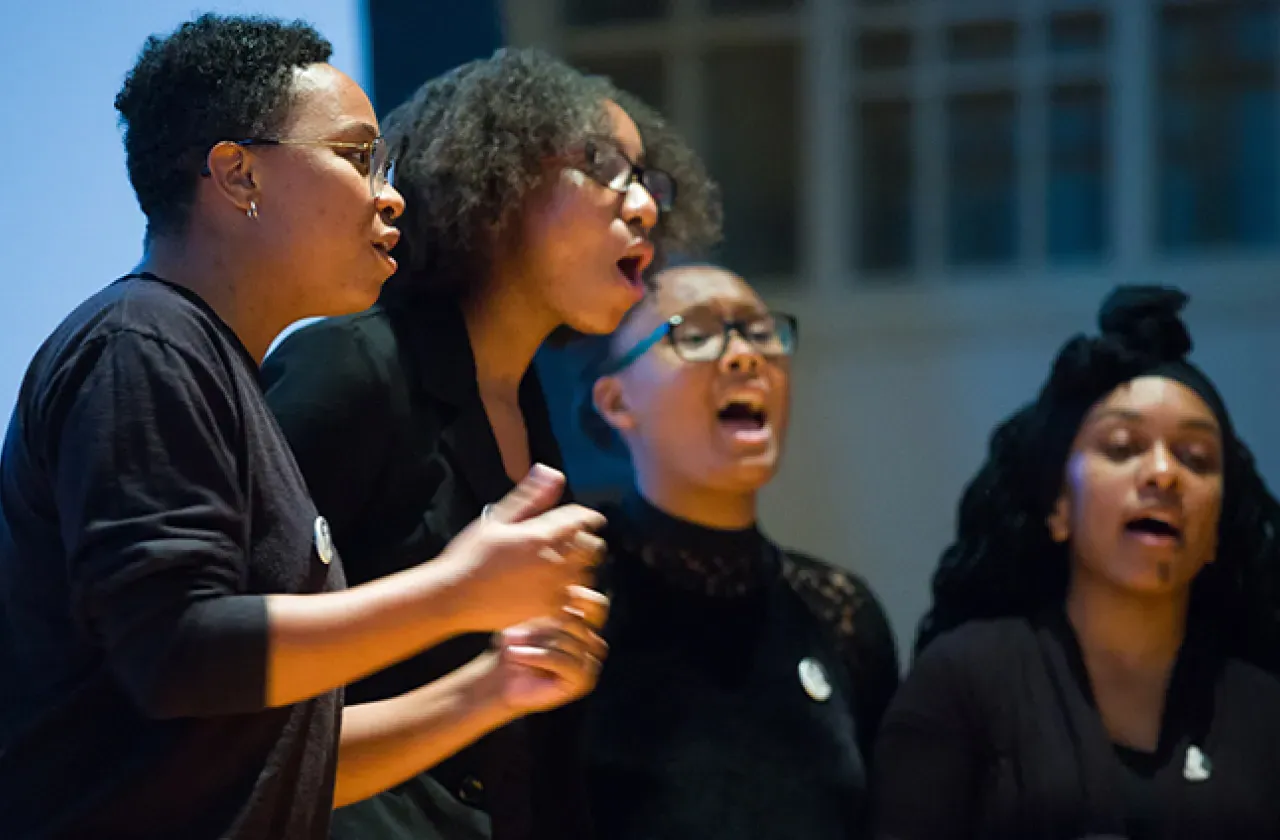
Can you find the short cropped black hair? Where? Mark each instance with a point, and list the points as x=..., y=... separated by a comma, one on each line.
x=471, y=146
x=214, y=78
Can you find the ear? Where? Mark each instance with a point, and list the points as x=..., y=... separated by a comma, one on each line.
x=232, y=172
x=611, y=404
x=1059, y=521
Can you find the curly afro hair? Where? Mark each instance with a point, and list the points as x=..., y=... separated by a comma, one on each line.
x=214, y=78
x=471, y=145
x=1004, y=562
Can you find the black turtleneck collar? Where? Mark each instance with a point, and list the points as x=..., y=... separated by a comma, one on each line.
x=688, y=556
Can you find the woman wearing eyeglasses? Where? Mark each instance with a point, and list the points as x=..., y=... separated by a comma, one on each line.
x=175, y=625
x=745, y=682
x=537, y=197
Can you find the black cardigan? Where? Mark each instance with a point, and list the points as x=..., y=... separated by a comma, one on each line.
x=995, y=735
x=384, y=415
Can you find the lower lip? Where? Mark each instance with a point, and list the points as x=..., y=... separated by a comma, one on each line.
x=636, y=289
x=747, y=435
x=1154, y=540
x=387, y=258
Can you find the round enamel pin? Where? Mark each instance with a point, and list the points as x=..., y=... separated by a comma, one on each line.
x=324, y=540
x=814, y=679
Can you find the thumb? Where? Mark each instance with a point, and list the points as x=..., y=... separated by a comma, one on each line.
x=536, y=493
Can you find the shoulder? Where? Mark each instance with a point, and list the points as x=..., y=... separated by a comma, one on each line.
x=837, y=595
x=1251, y=684
x=978, y=643
x=363, y=340
x=976, y=663
x=335, y=364
x=140, y=325
x=846, y=604
x=137, y=312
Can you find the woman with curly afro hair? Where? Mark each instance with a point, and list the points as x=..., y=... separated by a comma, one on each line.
x=1090, y=664
x=537, y=201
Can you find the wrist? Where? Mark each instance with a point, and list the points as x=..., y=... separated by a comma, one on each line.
x=484, y=688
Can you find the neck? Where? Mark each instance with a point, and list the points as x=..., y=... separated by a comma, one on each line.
x=226, y=287
x=505, y=333
x=701, y=506
x=1118, y=627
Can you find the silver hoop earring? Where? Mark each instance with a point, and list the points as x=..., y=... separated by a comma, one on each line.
x=252, y=212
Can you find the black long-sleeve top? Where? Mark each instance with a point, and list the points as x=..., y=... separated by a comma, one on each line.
x=742, y=691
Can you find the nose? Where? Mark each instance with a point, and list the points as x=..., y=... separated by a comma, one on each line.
x=390, y=203
x=740, y=356
x=639, y=210
x=1160, y=468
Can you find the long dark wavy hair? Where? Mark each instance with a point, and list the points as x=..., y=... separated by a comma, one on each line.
x=1003, y=561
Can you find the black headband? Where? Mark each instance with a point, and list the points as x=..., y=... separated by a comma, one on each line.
x=1142, y=335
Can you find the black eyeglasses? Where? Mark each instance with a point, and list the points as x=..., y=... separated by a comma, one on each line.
x=608, y=165
x=703, y=336
x=371, y=158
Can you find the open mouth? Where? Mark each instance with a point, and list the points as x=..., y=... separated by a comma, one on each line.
x=1154, y=530
x=631, y=269
x=744, y=419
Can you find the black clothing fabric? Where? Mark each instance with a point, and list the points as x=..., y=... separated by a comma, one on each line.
x=384, y=415
x=148, y=502
x=995, y=735
x=701, y=725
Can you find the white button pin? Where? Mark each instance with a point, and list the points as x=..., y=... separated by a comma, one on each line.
x=324, y=540
x=814, y=679
x=1197, y=766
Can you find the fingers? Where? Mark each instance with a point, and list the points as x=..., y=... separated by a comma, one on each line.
x=536, y=493
x=569, y=524
x=583, y=549
x=588, y=606
x=568, y=651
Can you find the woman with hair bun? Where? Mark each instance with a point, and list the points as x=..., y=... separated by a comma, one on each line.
x=1084, y=670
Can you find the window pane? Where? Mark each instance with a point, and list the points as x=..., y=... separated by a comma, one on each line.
x=884, y=49
x=752, y=119
x=730, y=6
x=1216, y=148
x=1077, y=33
x=1078, y=193
x=643, y=74
x=982, y=200
x=587, y=12
x=887, y=226
x=985, y=41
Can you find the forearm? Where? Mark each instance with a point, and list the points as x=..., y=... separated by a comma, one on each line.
x=320, y=642
x=386, y=742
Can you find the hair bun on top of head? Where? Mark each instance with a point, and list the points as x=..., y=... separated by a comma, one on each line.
x=1144, y=320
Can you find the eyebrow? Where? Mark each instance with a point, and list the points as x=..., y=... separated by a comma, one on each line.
x=351, y=128
x=1135, y=416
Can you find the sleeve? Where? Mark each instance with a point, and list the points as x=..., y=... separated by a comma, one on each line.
x=928, y=757
x=145, y=462
x=334, y=406
x=873, y=657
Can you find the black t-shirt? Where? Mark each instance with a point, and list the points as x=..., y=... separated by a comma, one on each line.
x=147, y=503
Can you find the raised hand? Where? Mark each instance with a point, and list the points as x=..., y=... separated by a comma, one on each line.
x=546, y=663
x=519, y=560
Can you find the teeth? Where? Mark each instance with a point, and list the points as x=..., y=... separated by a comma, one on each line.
x=753, y=402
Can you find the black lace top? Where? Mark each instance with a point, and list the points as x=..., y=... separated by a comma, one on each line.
x=743, y=688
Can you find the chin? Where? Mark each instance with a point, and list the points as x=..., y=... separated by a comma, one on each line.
x=750, y=476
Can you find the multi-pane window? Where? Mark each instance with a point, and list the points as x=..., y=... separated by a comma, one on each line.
x=975, y=136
